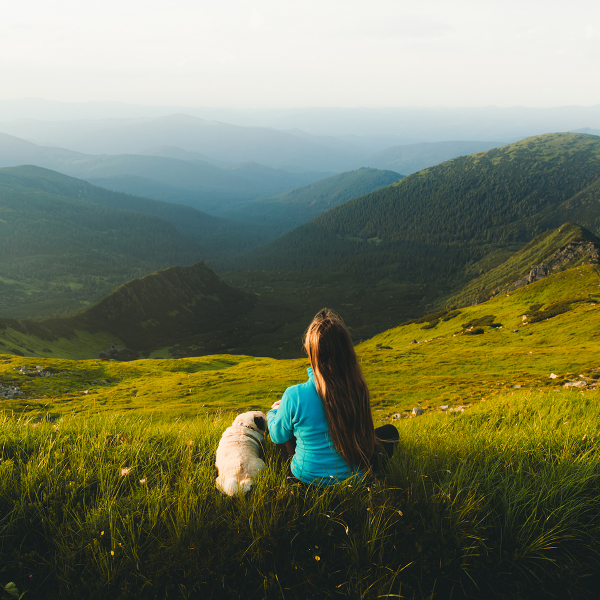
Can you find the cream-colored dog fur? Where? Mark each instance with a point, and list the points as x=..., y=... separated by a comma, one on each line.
x=238, y=460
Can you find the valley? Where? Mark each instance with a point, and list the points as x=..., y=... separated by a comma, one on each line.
x=66, y=243
x=414, y=254
x=435, y=361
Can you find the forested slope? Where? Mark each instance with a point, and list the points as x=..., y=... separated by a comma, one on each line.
x=436, y=222
x=215, y=235
x=300, y=205
x=64, y=242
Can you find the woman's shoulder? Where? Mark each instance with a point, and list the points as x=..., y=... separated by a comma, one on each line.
x=300, y=389
x=305, y=389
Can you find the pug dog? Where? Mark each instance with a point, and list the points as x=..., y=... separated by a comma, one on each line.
x=238, y=454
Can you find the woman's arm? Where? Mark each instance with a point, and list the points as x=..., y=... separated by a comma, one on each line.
x=279, y=420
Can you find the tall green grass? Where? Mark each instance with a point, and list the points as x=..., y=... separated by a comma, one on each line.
x=499, y=501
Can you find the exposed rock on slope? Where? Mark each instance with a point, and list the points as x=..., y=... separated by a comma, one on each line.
x=551, y=252
x=576, y=253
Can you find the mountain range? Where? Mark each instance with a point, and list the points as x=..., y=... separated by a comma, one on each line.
x=220, y=144
x=193, y=182
x=433, y=224
x=440, y=237
x=62, y=236
x=221, y=141
x=367, y=127
x=291, y=209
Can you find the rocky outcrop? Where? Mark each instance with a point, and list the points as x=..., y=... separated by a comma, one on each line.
x=576, y=253
x=10, y=392
x=37, y=371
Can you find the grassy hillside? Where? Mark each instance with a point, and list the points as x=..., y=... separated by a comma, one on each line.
x=492, y=490
x=499, y=502
x=300, y=205
x=435, y=223
x=431, y=362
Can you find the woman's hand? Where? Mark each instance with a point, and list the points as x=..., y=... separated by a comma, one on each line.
x=275, y=405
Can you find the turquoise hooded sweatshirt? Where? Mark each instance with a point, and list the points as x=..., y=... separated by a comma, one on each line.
x=301, y=414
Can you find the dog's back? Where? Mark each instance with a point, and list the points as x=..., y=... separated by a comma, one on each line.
x=238, y=460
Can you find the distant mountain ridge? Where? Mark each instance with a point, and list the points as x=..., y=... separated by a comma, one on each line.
x=300, y=205
x=221, y=141
x=411, y=158
x=192, y=182
x=408, y=124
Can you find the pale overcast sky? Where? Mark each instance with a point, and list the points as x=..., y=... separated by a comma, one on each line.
x=281, y=53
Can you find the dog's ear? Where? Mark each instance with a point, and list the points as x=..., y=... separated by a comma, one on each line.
x=260, y=423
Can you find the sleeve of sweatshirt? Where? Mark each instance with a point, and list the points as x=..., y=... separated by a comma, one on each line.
x=280, y=422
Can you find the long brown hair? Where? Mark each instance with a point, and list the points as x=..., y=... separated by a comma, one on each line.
x=342, y=387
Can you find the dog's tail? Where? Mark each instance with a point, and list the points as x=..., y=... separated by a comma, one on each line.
x=233, y=485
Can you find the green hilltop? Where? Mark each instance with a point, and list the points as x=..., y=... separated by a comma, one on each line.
x=158, y=310
x=164, y=307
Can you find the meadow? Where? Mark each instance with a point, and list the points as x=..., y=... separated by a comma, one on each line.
x=498, y=501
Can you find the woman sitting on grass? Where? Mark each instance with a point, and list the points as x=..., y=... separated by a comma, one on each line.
x=325, y=424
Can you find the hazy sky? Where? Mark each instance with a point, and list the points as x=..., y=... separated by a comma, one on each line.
x=281, y=53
